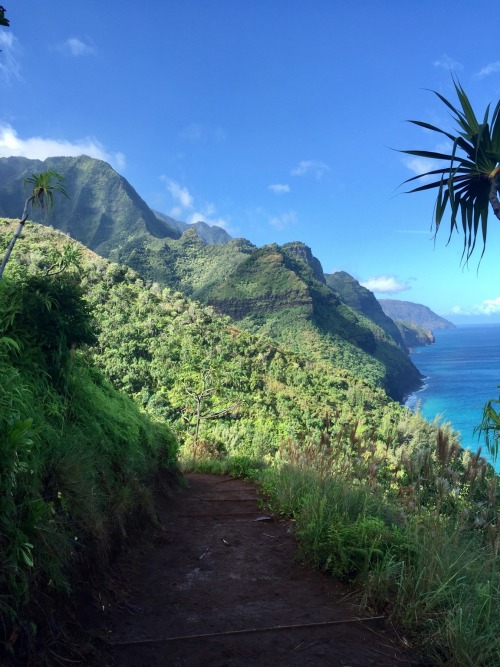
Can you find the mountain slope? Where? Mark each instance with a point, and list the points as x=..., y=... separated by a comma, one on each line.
x=103, y=212
x=279, y=292
x=276, y=291
x=155, y=344
x=209, y=234
x=416, y=313
x=364, y=302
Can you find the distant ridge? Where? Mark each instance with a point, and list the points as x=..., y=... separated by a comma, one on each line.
x=209, y=234
x=364, y=302
x=415, y=313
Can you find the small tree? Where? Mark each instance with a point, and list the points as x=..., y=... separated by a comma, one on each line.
x=467, y=186
x=42, y=196
x=470, y=182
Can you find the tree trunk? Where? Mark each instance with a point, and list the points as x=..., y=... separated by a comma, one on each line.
x=495, y=187
x=18, y=233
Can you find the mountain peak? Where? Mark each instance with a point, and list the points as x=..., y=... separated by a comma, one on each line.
x=302, y=251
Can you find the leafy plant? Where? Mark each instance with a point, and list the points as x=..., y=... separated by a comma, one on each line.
x=45, y=184
x=469, y=184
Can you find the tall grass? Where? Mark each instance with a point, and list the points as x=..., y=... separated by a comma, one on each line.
x=427, y=559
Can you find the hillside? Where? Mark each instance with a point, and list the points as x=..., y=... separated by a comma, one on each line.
x=281, y=291
x=155, y=344
x=416, y=313
x=209, y=234
x=278, y=292
x=104, y=212
x=364, y=302
x=364, y=480
x=415, y=336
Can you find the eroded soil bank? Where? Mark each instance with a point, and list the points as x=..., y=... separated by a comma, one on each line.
x=220, y=586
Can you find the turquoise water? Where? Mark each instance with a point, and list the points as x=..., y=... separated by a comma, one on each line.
x=462, y=371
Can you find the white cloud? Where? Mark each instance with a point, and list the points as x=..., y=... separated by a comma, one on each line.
x=180, y=194
x=279, y=188
x=41, y=148
x=458, y=310
x=385, y=284
x=76, y=47
x=491, y=68
x=422, y=165
x=490, y=306
x=284, y=220
x=314, y=167
x=486, y=307
x=184, y=206
x=9, y=65
x=203, y=216
x=447, y=63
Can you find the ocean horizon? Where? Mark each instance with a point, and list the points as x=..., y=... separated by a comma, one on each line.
x=462, y=372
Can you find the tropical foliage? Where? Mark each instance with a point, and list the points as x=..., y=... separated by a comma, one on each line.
x=378, y=495
x=42, y=196
x=78, y=460
x=468, y=185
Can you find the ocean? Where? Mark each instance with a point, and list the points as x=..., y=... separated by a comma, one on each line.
x=462, y=371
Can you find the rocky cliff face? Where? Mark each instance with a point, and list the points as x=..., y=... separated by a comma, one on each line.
x=301, y=251
x=416, y=313
x=364, y=302
x=415, y=336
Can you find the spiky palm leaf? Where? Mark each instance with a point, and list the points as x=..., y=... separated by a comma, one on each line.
x=43, y=185
x=43, y=189
x=470, y=181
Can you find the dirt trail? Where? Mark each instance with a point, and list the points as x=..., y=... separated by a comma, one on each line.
x=217, y=587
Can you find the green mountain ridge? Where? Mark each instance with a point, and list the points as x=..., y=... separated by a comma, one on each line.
x=279, y=292
x=364, y=302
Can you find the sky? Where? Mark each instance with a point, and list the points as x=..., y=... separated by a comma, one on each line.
x=279, y=120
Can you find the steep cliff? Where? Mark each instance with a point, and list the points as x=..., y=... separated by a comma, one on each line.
x=364, y=302
x=422, y=316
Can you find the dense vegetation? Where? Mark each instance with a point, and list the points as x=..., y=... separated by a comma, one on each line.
x=279, y=292
x=78, y=459
x=379, y=495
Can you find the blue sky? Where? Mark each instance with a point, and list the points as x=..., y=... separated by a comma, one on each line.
x=275, y=119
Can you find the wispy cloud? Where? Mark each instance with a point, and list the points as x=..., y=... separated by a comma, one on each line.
x=385, y=284
x=486, y=307
x=41, y=148
x=445, y=62
x=181, y=195
x=196, y=132
x=284, y=220
x=279, y=188
x=422, y=165
x=74, y=46
x=314, y=167
x=185, y=208
x=10, y=68
x=491, y=68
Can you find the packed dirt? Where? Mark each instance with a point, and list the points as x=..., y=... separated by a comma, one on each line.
x=220, y=585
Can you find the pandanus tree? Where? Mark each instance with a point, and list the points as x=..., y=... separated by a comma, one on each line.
x=469, y=183
x=467, y=188
x=44, y=185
